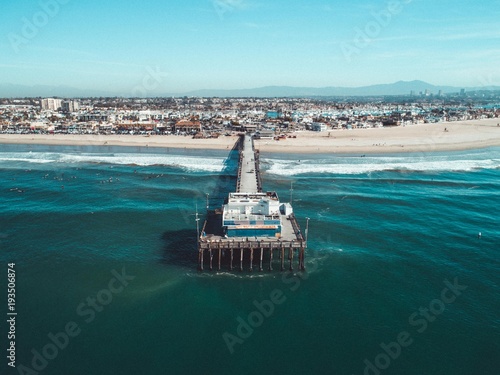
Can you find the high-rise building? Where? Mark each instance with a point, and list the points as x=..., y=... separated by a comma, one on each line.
x=70, y=106
x=51, y=104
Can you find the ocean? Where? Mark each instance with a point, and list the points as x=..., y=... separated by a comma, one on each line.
x=402, y=274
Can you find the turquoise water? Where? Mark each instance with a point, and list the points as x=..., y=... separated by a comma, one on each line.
x=386, y=232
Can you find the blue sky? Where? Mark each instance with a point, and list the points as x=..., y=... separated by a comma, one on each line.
x=195, y=44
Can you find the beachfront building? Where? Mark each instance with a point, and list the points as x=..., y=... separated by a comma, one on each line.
x=318, y=127
x=265, y=134
x=97, y=117
x=39, y=125
x=187, y=126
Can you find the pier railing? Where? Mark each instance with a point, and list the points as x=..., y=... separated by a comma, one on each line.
x=296, y=227
x=257, y=170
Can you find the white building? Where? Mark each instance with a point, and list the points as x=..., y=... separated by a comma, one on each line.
x=318, y=127
x=51, y=104
x=254, y=214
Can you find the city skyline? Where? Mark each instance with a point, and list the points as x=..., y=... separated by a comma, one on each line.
x=157, y=47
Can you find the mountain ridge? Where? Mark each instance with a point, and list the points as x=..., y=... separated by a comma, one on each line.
x=386, y=89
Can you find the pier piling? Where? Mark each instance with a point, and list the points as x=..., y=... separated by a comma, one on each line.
x=282, y=258
x=220, y=251
x=271, y=258
x=231, y=266
x=251, y=259
x=261, y=256
x=241, y=259
x=210, y=253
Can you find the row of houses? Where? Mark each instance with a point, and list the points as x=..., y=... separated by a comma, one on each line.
x=182, y=127
x=216, y=115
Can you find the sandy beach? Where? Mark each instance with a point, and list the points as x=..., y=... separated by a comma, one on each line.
x=460, y=135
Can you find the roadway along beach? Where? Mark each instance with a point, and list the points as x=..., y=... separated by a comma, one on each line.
x=444, y=136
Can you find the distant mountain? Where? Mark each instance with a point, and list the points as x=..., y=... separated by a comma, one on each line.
x=397, y=88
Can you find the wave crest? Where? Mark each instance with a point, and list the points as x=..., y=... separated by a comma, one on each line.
x=189, y=163
x=351, y=166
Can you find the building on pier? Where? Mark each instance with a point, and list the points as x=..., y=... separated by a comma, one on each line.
x=252, y=215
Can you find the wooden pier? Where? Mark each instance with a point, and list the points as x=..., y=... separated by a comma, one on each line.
x=251, y=238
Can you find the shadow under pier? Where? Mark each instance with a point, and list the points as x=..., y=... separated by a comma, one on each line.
x=226, y=181
x=178, y=245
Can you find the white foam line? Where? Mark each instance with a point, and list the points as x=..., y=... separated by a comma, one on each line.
x=354, y=166
x=185, y=162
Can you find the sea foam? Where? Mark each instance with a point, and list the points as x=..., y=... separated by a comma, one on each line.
x=358, y=165
x=189, y=163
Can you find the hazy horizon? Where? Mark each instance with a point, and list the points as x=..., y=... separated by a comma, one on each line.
x=400, y=89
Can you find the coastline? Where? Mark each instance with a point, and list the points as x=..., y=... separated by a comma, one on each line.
x=460, y=135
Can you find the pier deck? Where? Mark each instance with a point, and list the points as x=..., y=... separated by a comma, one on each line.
x=254, y=226
x=248, y=169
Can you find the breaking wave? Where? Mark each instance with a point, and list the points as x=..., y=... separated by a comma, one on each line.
x=363, y=165
x=189, y=163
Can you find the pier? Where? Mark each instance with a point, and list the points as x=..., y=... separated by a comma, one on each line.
x=252, y=229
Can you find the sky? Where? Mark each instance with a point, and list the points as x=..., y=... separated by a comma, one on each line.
x=162, y=46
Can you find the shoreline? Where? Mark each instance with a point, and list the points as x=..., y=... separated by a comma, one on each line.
x=445, y=136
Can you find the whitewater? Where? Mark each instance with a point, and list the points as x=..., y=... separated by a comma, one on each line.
x=274, y=164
